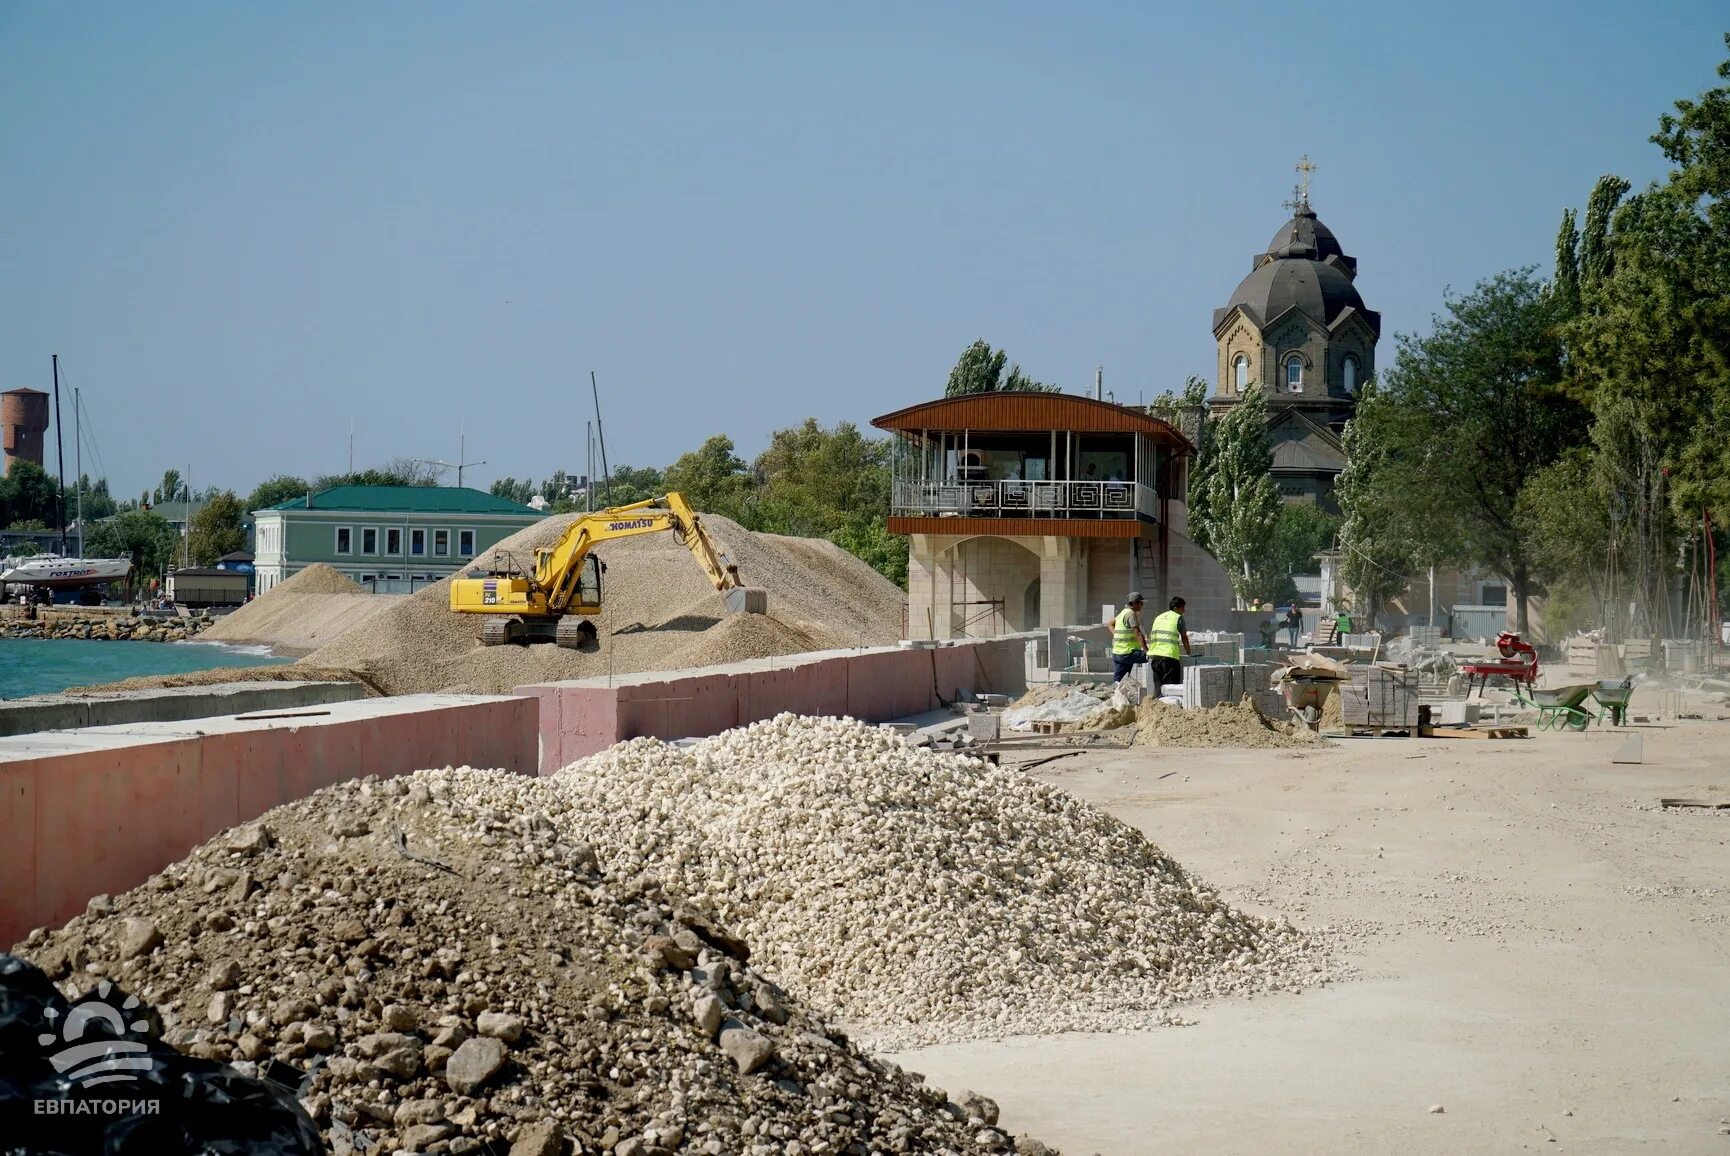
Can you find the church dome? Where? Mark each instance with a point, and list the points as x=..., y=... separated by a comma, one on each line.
x=1305, y=236
x=1319, y=290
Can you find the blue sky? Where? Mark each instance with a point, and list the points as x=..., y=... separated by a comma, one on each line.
x=242, y=225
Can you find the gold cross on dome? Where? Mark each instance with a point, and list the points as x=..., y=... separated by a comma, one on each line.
x=1304, y=169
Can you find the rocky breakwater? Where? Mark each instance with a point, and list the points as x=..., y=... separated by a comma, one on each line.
x=108, y=627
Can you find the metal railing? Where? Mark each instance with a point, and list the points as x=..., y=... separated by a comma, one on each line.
x=1023, y=499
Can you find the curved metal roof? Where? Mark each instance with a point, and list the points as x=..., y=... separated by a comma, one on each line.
x=1014, y=410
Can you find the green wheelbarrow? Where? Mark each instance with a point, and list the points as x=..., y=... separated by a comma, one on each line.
x=1559, y=707
x=1612, y=695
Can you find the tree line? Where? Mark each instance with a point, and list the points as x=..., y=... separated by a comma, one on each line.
x=1570, y=435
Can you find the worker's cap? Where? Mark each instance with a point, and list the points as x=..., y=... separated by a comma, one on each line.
x=1134, y=597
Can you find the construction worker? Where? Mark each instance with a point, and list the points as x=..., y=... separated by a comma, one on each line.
x=1128, y=640
x=1170, y=644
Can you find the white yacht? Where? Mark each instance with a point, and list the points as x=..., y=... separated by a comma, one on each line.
x=57, y=573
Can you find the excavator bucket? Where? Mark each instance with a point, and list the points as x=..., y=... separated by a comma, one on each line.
x=747, y=600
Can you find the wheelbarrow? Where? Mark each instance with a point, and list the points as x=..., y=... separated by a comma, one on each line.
x=1559, y=707
x=1612, y=695
x=1305, y=697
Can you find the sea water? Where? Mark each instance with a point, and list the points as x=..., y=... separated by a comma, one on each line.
x=49, y=665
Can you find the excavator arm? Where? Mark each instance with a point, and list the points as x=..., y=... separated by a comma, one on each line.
x=547, y=593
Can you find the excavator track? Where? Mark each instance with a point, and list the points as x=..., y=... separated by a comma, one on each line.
x=576, y=634
x=498, y=631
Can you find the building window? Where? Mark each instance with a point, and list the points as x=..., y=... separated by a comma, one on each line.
x=1349, y=374
x=344, y=540
x=441, y=542
x=368, y=579
x=417, y=543
x=369, y=540
x=393, y=541
x=1294, y=374
x=1240, y=373
x=465, y=543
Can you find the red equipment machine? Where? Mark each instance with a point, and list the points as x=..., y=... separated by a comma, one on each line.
x=1519, y=663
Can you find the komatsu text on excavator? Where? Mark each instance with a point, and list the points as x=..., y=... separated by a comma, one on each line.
x=547, y=602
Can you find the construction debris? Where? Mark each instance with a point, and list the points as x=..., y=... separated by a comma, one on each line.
x=1228, y=724
x=443, y=965
x=923, y=897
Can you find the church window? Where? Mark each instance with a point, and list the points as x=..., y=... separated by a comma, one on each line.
x=1294, y=374
x=1240, y=373
x=1349, y=374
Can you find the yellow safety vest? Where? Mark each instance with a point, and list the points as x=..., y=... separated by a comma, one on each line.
x=1125, y=638
x=1164, y=641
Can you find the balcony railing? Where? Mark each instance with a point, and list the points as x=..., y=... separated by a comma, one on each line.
x=1018, y=499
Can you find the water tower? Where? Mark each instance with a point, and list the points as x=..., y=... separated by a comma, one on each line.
x=23, y=422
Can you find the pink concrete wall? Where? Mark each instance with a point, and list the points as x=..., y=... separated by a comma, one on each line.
x=583, y=717
x=101, y=810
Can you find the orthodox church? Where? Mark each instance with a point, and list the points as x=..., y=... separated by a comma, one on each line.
x=1297, y=327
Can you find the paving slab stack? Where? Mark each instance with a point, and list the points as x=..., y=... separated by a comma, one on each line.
x=1380, y=696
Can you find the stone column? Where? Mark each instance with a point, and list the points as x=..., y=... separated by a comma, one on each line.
x=1062, y=581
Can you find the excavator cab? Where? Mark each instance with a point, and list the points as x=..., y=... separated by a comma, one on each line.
x=588, y=596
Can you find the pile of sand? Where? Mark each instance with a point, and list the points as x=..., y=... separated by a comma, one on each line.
x=1230, y=724
x=318, y=605
x=317, y=579
x=660, y=613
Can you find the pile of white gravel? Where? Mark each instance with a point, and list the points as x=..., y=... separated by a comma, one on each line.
x=924, y=897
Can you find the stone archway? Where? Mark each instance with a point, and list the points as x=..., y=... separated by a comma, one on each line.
x=991, y=584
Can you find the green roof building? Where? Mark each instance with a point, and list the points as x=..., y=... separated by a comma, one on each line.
x=390, y=539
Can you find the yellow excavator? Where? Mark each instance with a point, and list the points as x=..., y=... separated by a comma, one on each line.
x=548, y=601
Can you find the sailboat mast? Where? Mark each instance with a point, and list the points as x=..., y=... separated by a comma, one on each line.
x=59, y=460
x=78, y=458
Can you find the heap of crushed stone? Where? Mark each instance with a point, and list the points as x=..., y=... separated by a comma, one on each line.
x=1229, y=724
x=454, y=972
x=317, y=578
x=923, y=897
x=659, y=613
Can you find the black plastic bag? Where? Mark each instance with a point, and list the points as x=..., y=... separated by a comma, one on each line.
x=94, y=1077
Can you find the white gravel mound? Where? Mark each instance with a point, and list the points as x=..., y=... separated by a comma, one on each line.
x=924, y=897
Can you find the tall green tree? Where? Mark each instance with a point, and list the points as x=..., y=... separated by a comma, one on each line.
x=218, y=528
x=1375, y=532
x=170, y=489
x=1566, y=284
x=1479, y=403
x=28, y=494
x=714, y=479
x=981, y=370
x=512, y=490
x=1188, y=413
x=275, y=489
x=144, y=537
x=1239, y=500
x=635, y=484
x=1596, y=261
x=830, y=483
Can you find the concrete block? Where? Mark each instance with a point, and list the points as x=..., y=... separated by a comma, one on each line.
x=985, y=728
x=1455, y=713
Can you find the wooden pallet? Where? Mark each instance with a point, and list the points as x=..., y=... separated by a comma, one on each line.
x=1476, y=732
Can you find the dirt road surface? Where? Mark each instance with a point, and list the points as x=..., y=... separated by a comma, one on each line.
x=1543, y=953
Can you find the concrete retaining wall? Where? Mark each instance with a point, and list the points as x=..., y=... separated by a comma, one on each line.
x=876, y=684
x=100, y=810
x=59, y=712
